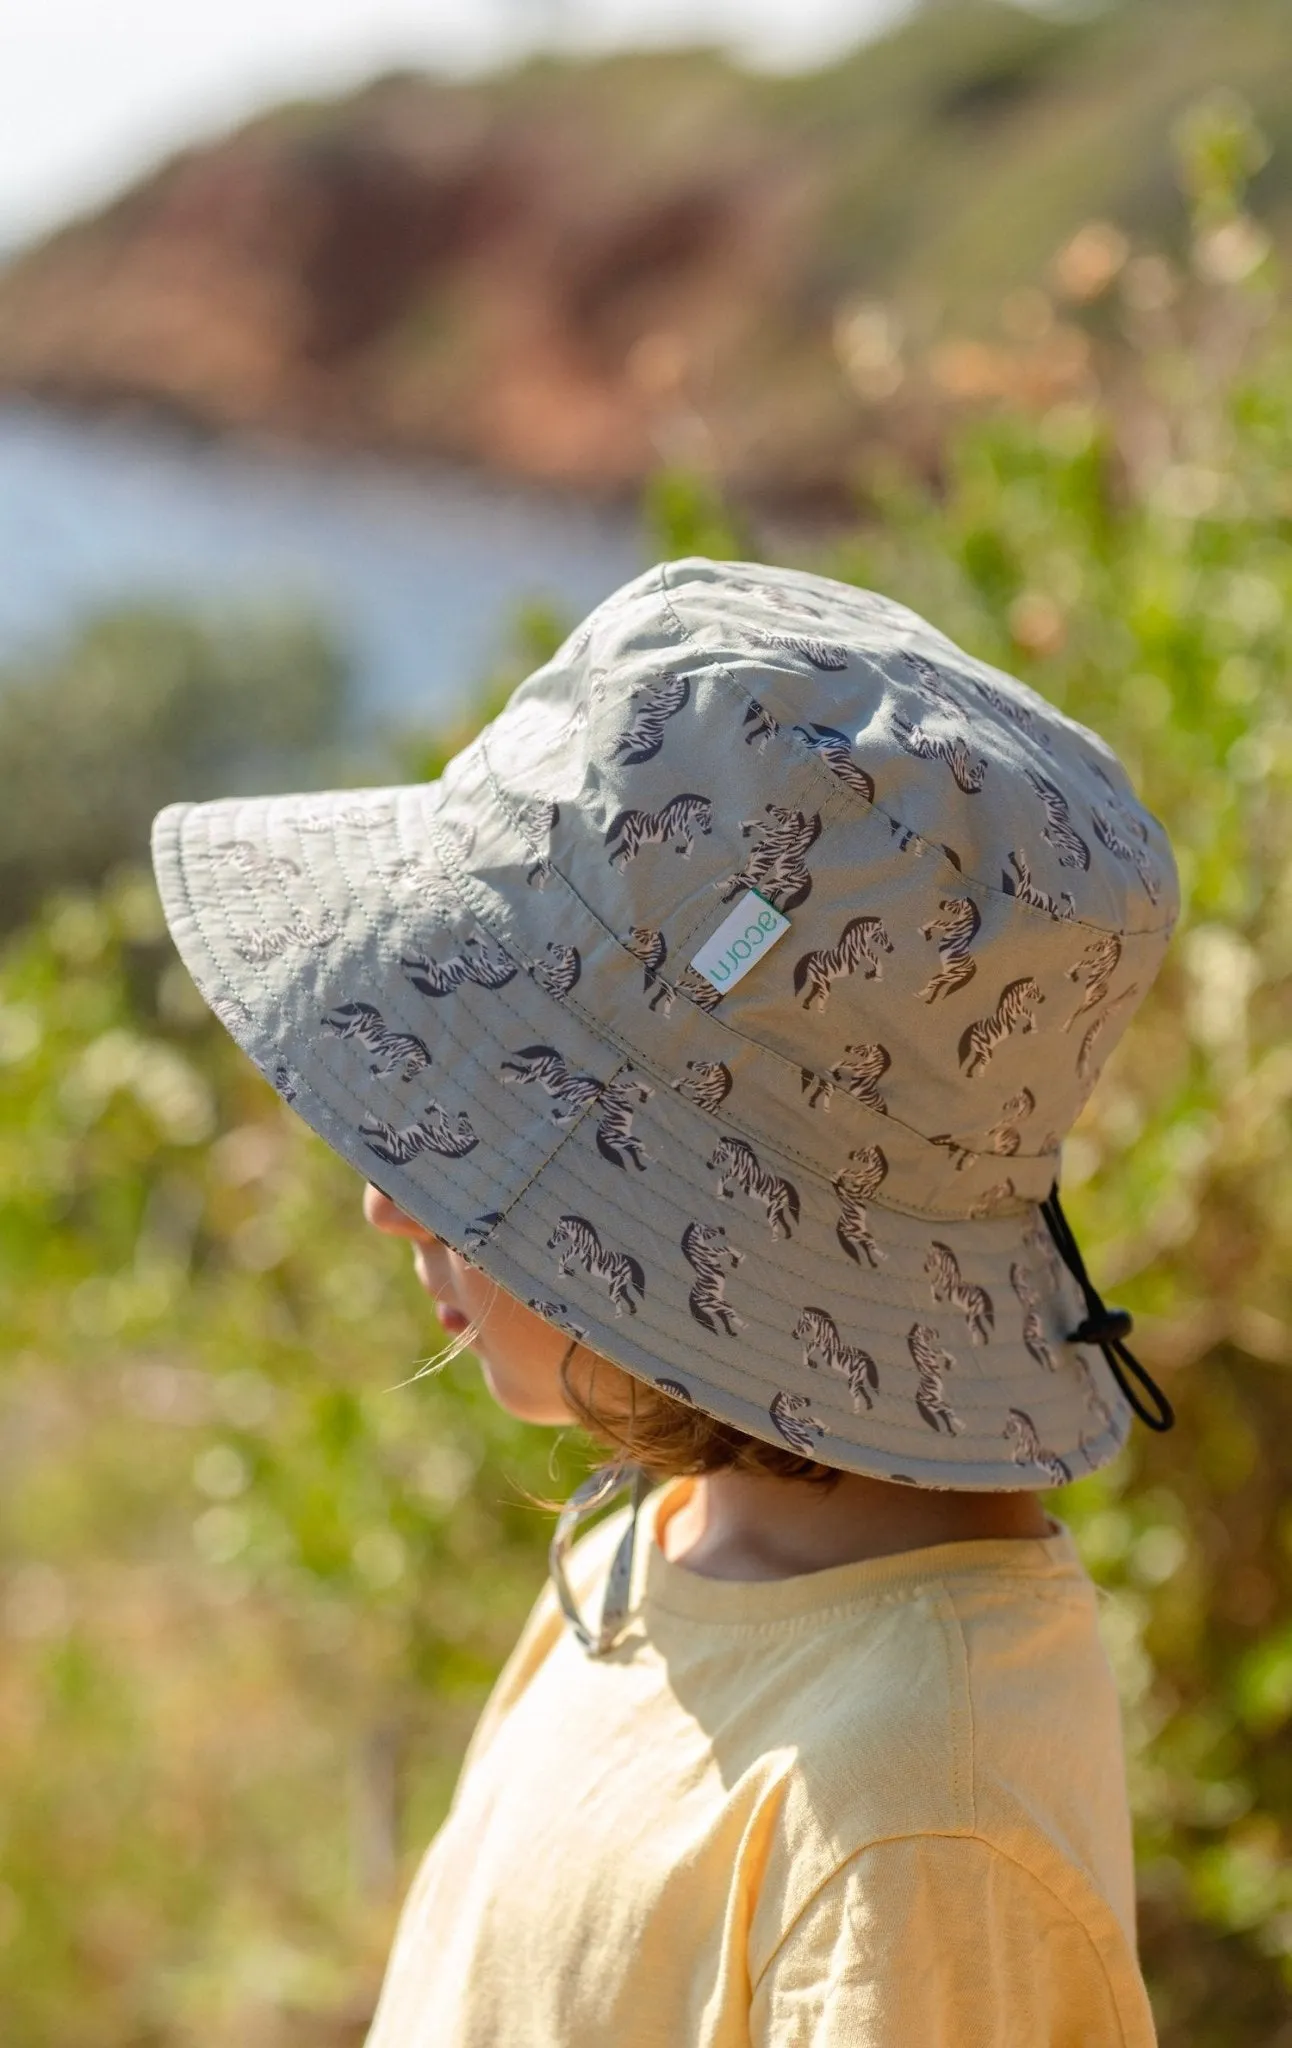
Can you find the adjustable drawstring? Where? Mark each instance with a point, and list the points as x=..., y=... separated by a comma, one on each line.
x=596, y=1492
x=1106, y=1327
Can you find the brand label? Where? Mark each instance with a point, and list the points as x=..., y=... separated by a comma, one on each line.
x=749, y=931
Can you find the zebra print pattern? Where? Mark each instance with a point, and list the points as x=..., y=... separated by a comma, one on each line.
x=961, y=1155
x=955, y=931
x=858, y=1071
x=710, y=1257
x=1034, y=1337
x=573, y=1093
x=1122, y=849
x=481, y=962
x=932, y=1362
x=856, y=1184
x=434, y=1131
x=992, y=1200
x=1026, y=1448
x=682, y=820
x=706, y=1083
x=820, y=653
x=859, y=944
x=835, y=750
x=1005, y=1137
x=946, y=1283
x=643, y=736
x=776, y=864
x=739, y=1170
x=391, y=1050
x=1020, y=884
x=1015, y=1011
x=759, y=725
x=257, y=942
x=823, y=1346
x=676, y=1391
x=968, y=770
x=558, y=971
x=1087, y=1066
x=1058, y=828
x=578, y=1243
x=1096, y=968
x=557, y=1312
x=651, y=948
x=792, y=1417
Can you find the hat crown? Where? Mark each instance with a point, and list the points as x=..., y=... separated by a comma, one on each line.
x=976, y=899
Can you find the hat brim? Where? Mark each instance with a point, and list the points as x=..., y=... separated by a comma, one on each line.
x=929, y=1351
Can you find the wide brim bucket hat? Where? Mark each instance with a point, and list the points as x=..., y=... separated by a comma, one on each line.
x=726, y=1001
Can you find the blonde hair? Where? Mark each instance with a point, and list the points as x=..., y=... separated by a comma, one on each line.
x=669, y=1438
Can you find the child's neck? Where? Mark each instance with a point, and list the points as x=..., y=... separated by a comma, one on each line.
x=742, y=1525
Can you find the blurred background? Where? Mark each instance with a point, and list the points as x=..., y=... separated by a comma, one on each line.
x=346, y=358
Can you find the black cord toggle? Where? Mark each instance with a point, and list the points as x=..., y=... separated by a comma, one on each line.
x=1107, y=1327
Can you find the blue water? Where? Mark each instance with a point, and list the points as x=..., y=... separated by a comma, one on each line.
x=418, y=574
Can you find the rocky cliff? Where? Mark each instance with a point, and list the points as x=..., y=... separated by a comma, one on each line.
x=576, y=271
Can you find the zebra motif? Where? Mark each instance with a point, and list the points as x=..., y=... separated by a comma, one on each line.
x=738, y=1167
x=1004, y=1137
x=710, y=1257
x=234, y=1015
x=822, y=1345
x=1034, y=1337
x=931, y=1362
x=697, y=988
x=1026, y=1448
x=707, y=1083
x=859, y=945
x=677, y=824
x=481, y=961
x=930, y=682
x=1015, y=1010
x=677, y=1391
x=859, y=1070
x=643, y=736
x=558, y=970
x=1097, y=966
x=651, y=948
x=538, y=819
x=346, y=818
x=482, y=1228
x=578, y=1243
x=1043, y=1249
x=855, y=1185
x=615, y=1139
x=1058, y=828
x=1008, y=707
x=793, y=1417
x=776, y=864
x=1121, y=849
x=284, y=1078
x=991, y=1199
x=1086, y=1067
x=961, y=1156
x=259, y=942
x=571, y=1093
x=390, y=1049
x=955, y=931
x=1020, y=884
x=760, y=726
x=969, y=770
x=835, y=750
x=256, y=867
x=1095, y=1402
x=434, y=1131
x=819, y=652
x=558, y=1313
x=942, y=1269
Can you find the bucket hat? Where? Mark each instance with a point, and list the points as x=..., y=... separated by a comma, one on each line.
x=727, y=1000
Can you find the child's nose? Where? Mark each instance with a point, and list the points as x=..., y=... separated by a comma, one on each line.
x=383, y=1214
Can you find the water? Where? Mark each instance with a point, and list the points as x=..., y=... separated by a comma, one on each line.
x=418, y=574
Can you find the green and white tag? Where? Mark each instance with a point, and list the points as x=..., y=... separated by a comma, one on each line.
x=745, y=934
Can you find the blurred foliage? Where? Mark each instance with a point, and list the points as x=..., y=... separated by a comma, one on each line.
x=252, y=1591
x=143, y=707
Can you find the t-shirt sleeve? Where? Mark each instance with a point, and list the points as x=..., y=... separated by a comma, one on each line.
x=944, y=1942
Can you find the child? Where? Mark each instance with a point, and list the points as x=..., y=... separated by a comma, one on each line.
x=710, y=1029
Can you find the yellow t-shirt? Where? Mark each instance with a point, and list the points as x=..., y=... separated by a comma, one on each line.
x=878, y=1806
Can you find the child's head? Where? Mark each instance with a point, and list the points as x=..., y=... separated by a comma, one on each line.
x=718, y=1016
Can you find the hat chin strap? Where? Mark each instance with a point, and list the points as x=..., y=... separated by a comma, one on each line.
x=595, y=1493
x=1107, y=1327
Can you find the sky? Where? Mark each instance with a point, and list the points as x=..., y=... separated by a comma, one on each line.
x=90, y=95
